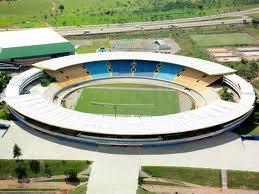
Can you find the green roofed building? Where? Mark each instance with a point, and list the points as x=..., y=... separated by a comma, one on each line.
x=33, y=45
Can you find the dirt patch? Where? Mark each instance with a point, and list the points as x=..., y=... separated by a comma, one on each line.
x=13, y=184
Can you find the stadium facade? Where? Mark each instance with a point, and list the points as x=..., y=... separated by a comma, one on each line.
x=211, y=116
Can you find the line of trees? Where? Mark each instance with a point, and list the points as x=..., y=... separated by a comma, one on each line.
x=4, y=80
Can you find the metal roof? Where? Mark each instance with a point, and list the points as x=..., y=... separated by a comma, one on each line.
x=32, y=42
x=29, y=37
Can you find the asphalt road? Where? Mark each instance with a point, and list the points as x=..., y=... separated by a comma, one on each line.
x=156, y=25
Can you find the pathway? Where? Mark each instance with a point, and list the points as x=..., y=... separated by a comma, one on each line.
x=224, y=179
x=114, y=176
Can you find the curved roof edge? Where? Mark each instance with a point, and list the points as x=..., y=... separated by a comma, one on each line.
x=207, y=67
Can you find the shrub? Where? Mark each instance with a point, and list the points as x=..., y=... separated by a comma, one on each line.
x=4, y=112
x=4, y=80
x=35, y=166
x=225, y=95
x=71, y=174
x=45, y=80
x=47, y=170
x=20, y=170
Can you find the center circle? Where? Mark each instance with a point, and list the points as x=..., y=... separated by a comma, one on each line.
x=128, y=97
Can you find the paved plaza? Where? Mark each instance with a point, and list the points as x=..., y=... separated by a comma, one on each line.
x=225, y=151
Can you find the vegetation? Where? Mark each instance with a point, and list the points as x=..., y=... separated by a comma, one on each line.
x=247, y=70
x=56, y=167
x=256, y=84
x=17, y=152
x=79, y=190
x=201, y=176
x=4, y=80
x=182, y=36
x=20, y=169
x=35, y=166
x=31, y=13
x=78, y=180
x=45, y=79
x=225, y=95
x=92, y=45
x=27, y=189
x=160, y=183
x=4, y=112
x=243, y=179
x=250, y=126
x=142, y=191
x=47, y=170
x=223, y=39
x=139, y=102
x=71, y=174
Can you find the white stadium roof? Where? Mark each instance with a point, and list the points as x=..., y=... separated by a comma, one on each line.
x=40, y=109
x=29, y=37
x=207, y=67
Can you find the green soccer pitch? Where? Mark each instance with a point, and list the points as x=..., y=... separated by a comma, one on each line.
x=128, y=100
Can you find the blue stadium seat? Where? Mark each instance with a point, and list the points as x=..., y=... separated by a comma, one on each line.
x=121, y=68
x=145, y=68
x=98, y=69
x=168, y=71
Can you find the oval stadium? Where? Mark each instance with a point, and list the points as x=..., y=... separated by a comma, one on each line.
x=129, y=98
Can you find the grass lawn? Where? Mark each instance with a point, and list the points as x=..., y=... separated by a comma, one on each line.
x=57, y=167
x=201, y=176
x=223, y=39
x=93, y=45
x=113, y=11
x=79, y=190
x=142, y=191
x=237, y=179
x=160, y=183
x=132, y=101
x=254, y=15
x=25, y=13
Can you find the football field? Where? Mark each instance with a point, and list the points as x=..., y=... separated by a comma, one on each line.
x=223, y=39
x=128, y=100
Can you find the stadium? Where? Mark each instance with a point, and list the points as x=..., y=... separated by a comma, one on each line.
x=129, y=99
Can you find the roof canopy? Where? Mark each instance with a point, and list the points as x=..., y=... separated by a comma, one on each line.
x=207, y=67
x=32, y=42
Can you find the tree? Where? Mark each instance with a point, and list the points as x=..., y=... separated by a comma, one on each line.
x=20, y=170
x=4, y=80
x=35, y=166
x=45, y=79
x=225, y=95
x=17, y=152
x=71, y=174
x=61, y=7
